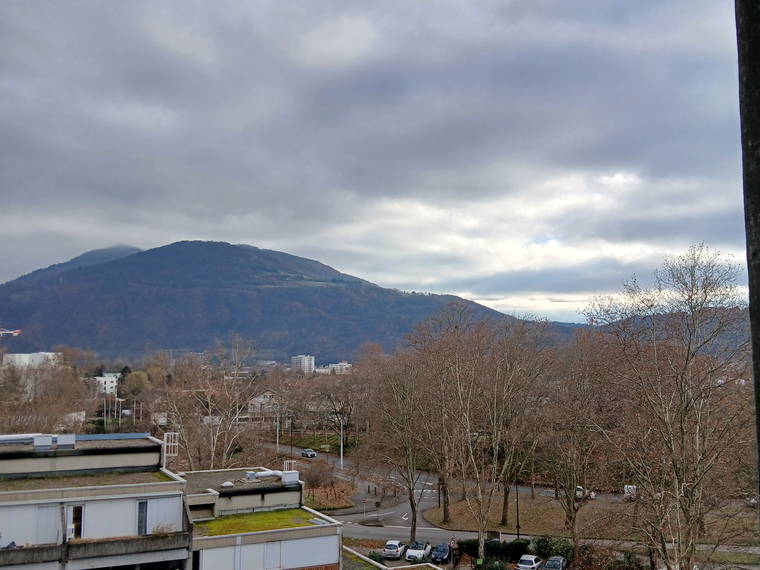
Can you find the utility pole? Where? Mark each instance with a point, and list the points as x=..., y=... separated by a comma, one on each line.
x=517, y=510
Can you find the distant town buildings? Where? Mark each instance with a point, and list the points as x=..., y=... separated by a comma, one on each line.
x=303, y=363
x=32, y=359
x=342, y=367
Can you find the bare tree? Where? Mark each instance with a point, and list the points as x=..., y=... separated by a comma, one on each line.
x=677, y=345
x=491, y=386
x=570, y=442
x=206, y=397
x=397, y=429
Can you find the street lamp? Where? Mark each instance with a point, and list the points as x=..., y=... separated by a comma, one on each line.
x=517, y=509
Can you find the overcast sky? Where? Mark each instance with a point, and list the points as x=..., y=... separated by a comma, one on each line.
x=523, y=153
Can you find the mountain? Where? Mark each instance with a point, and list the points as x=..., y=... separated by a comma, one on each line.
x=94, y=257
x=185, y=295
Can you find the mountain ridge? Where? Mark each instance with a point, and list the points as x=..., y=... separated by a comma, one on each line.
x=189, y=293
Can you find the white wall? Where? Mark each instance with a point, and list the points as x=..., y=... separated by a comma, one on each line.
x=110, y=517
x=311, y=552
x=18, y=524
x=104, y=518
x=165, y=512
x=278, y=555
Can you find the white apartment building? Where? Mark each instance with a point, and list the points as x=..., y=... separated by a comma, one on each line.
x=108, y=383
x=303, y=363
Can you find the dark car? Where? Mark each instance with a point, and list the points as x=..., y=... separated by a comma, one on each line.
x=441, y=553
x=556, y=563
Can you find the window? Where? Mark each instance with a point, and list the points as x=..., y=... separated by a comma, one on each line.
x=77, y=515
x=142, y=517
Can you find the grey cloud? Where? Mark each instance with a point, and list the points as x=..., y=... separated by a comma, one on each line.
x=172, y=120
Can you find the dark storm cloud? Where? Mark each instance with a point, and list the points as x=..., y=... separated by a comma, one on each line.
x=297, y=126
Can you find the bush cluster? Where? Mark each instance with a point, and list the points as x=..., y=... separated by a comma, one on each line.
x=505, y=551
x=547, y=546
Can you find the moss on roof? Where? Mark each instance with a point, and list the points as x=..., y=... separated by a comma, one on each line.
x=253, y=522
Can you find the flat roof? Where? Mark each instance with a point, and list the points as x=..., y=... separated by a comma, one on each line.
x=254, y=522
x=201, y=481
x=32, y=483
x=84, y=445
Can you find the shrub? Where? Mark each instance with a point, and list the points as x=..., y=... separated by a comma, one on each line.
x=495, y=565
x=563, y=547
x=509, y=551
x=590, y=557
x=548, y=546
x=376, y=556
x=543, y=546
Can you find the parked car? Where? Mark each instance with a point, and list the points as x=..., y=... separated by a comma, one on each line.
x=417, y=551
x=580, y=493
x=308, y=453
x=441, y=553
x=394, y=549
x=629, y=493
x=530, y=562
x=556, y=563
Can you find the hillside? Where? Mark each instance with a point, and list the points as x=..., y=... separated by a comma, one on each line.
x=187, y=294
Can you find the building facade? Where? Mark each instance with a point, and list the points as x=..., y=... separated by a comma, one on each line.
x=104, y=501
x=302, y=363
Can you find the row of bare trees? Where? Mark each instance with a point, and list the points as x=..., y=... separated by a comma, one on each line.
x=655, y=395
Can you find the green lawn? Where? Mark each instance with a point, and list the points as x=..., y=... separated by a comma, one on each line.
x=252, y=522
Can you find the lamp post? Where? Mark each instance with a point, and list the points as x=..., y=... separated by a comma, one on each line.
x=341, y=442
x=517, y=510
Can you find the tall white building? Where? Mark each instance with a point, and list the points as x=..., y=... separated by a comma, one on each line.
x=108, y=383
x=302, y=362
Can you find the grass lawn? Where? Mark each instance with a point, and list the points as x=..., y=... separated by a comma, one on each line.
x=351, y=562
x=252, y=522
x=328, y=498
x=598, y=519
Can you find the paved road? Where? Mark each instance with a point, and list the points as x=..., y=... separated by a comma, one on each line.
x=396, y=518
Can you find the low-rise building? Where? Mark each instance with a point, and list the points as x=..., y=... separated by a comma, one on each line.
x=246, y=519
x=80, y=502
x=101, y=501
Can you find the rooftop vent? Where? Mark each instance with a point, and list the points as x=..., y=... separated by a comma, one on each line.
x=43, y=442
x=66, y=441
x=228, y=484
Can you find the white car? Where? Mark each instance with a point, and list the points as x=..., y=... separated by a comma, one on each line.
x=394, y=549
x=418, y=550
x=529, y=562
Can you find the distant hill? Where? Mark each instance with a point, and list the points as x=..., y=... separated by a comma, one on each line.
x=94, y=257
x=122, y=300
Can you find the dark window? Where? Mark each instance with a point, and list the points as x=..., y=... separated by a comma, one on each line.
x=142, y=517
x=77, y=513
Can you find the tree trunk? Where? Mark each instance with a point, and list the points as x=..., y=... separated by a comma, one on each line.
x=481, y=543
x=573, y=529
x=413, y=508
x=443, y=489
x=505, y=505
x=464, y=491
x=748, y=47
x=532, y=479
